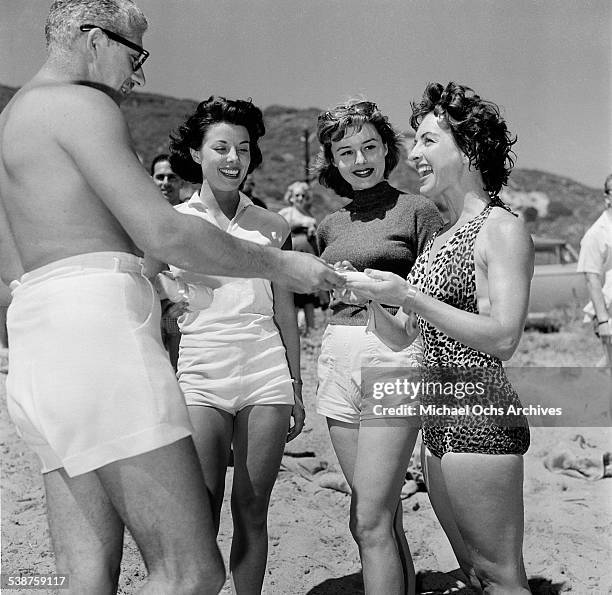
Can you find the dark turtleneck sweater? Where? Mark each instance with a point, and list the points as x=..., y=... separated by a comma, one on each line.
x=381, y=228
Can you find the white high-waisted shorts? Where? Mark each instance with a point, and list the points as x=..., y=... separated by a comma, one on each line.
x=345, y=350
x=89, y=380
x=232, y=375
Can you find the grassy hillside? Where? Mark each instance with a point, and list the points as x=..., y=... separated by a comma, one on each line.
x=571, y=208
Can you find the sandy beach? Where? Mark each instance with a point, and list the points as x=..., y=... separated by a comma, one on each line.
x=568, y=521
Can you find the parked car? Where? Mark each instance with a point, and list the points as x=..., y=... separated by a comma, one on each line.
x=556, y=283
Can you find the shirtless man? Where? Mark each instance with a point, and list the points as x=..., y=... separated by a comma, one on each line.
x=90, y=387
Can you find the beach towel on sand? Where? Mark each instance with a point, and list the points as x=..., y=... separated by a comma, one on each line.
x=579, y=459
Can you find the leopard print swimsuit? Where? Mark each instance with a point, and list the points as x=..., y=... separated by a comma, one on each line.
x=452, y=279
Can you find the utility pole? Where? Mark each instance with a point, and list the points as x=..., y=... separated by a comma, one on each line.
x=306, y=139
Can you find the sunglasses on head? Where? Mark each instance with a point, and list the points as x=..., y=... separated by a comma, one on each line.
x=364, y=108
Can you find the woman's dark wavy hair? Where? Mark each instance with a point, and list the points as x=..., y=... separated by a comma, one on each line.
x=213, y=110
x=477, y=127
x=344, y=120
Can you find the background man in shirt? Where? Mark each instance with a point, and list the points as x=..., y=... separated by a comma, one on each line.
x=595, y=261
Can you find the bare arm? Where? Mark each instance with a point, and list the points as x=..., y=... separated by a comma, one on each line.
x=508, y=254
x=91, y=129
x=396, y=332
x=595, y=284
x=286, y=321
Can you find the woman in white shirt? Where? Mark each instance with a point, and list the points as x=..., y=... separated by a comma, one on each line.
x=239, y=358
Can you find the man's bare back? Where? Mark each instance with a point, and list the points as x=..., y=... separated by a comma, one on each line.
x=52, y=209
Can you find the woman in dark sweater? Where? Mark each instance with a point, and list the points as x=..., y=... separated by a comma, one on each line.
x=380, y=228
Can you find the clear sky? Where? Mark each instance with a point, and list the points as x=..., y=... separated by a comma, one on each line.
x=548, y=63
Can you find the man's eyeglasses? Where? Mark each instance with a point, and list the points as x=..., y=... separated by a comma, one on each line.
x=142, y=53
x=365, y=108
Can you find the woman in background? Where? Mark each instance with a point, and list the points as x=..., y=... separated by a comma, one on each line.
x=384, y=228
x=303, y=228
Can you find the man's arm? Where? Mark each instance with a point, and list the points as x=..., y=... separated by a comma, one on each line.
x=90, y=127
x=594, y=283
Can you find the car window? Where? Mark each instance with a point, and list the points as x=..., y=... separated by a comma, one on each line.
x=546, y=256
x=555, y=254
x=568, y=255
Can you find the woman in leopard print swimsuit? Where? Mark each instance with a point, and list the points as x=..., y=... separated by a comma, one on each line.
x=467, y=296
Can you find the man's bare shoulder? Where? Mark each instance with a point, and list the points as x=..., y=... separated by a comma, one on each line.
x=57, y=105
x=48, y=115
x=55, y=101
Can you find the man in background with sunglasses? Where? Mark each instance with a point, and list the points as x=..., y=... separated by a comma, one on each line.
x=595, y=261
x=90, y=388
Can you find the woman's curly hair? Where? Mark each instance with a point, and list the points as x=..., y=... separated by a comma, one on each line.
x=477, y=127
x=345, y=120
x=213, y=110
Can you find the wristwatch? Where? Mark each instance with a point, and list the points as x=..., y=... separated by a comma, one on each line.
x=411, y=294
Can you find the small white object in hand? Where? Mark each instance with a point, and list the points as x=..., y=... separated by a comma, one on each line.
x=355, y=276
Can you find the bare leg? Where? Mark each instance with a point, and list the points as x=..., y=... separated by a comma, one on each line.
x=345, y=438
x=486, y=497
x=260, y=434
x=309, y=314
x=404, y=550
x=173, y=342
x=438, y=496
x=160, y=496
x=3, y=333
x=383, y=455
x=86, y=532
x=162, y=499
x=301, y=319
x=212, y=436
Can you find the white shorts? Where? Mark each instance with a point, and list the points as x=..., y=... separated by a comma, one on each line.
x=345, y=350
x=89, y=381
x=235, y=375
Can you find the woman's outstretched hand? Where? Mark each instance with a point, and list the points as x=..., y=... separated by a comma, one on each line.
x=382, y=286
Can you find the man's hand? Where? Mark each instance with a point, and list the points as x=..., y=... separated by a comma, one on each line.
x=304, y=273
x=604, y=331
x=346, y=295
